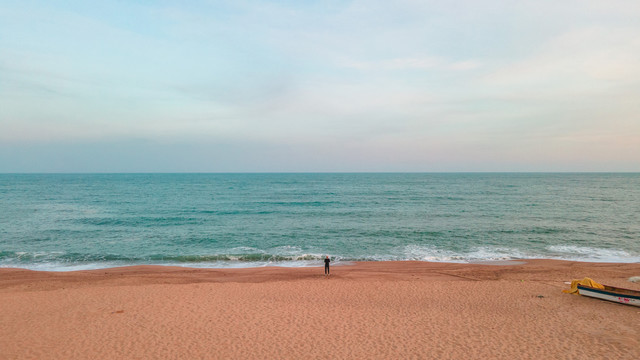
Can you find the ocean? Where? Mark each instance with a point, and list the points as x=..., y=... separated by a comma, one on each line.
x=65, y=222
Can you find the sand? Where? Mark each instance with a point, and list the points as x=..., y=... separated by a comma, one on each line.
x=371, y=310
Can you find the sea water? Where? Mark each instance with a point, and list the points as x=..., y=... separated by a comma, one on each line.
x=87, y=221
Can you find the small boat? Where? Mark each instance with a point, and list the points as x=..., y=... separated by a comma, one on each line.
x=611, y=293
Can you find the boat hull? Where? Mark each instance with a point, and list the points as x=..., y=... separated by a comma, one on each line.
x=610, y=293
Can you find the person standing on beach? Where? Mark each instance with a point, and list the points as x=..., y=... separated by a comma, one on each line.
x=326, y=265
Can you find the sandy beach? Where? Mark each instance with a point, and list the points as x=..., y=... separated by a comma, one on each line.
x=373, y=310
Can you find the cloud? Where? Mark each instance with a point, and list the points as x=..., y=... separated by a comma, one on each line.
x=416, y=83
x=464, y=65
x=577, y=58
x=417, y=64
x=395, y=64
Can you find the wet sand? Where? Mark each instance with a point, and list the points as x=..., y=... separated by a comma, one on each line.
x=373, y=310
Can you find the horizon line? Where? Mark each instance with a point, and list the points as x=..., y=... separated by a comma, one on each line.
x=309, y=172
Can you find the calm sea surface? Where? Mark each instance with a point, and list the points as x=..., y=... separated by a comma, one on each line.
x=69, y=222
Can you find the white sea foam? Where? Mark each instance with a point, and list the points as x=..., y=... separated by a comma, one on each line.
x=488, y=253
x=497, y=254
x=430, y=253
x=246, y=264
x=592, y=254
x=59, y=266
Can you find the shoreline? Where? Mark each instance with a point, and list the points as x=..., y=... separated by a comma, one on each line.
x=43, y=267
x=403, y=270
x=394, y=309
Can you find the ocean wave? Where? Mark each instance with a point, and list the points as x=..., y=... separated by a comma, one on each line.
x=594, y=254
x=431, y=253
x=499, y=253
x=24, y=257
x=61, y=261
x=294, y=256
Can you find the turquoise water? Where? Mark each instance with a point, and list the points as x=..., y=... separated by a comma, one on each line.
x=72, y=221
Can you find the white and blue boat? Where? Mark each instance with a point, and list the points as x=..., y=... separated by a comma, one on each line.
x=611, y=293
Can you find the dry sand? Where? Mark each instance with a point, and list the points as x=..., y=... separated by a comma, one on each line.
x=377, y=310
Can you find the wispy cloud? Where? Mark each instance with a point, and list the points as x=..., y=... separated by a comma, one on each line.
x=424, y=63
x=577, y=56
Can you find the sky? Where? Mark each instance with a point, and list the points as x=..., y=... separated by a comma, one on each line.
x=319, y=86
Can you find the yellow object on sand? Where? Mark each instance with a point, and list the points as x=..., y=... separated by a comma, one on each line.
x=586, y=281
